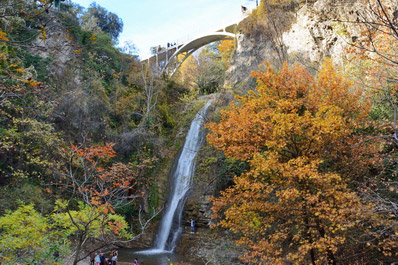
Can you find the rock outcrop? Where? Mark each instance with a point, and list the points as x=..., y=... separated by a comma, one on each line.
x=321, y=29
x=59, y=46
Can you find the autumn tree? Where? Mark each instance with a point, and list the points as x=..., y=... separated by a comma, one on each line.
x=24, y=21
x=187, y=73
x=148, y=86
x=211, y=71
x=97, y=188
x=374, y=55
x=379, y=23
x=89, y=227
x=292, y=206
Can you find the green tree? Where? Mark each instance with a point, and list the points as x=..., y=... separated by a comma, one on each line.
x=27, y=237
x=106, y=21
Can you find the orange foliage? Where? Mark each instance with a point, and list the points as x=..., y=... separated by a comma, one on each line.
x=289, y=109
x=291, y=207
x=99, y=152
x=3, y=36
x=99, y=183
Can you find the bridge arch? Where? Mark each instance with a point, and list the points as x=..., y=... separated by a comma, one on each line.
x=166, y=59
x=190, y=47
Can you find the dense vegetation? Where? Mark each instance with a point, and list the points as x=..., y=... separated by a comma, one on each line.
x=304, y=164
x=85, y=131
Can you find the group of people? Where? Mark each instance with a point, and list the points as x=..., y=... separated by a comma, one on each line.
x=100, y=259
x=170, y=44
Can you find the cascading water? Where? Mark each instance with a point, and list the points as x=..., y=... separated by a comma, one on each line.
x=170, y=225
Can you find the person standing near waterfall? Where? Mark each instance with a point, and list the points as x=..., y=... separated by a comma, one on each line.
x=192, y=226
x=97, y=259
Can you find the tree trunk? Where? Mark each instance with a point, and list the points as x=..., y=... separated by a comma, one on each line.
x=331, y=258
x=78, y=249
x=312, y=252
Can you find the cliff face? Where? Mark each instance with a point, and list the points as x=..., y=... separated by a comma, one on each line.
x=60, y=48
x=320, y=29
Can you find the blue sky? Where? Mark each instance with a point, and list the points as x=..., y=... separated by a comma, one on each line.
x=149, y=23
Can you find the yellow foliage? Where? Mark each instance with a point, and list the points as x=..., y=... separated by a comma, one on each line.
x=226, y=49
x=188, y=72
x=43, y=33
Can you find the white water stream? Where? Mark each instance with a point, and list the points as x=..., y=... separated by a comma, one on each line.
x=170, y=227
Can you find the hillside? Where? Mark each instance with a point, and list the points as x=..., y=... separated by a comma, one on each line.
x=85, y=131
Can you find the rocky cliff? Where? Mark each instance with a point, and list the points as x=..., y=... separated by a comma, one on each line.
x=324, y=28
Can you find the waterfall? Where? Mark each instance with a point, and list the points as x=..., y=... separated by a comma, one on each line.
x=170, y=226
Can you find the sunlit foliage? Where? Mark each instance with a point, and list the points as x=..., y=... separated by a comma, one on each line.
x=226, y=49
x=27, y=237
x=291, y=206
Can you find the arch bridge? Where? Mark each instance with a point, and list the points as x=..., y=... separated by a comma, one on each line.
x=166, y=60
